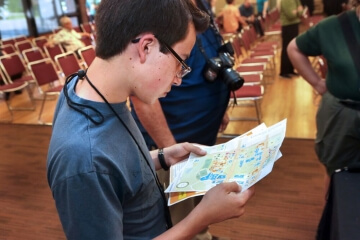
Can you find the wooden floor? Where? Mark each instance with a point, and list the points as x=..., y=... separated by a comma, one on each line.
x=287, y=204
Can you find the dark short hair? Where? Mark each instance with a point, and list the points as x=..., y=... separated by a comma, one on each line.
x=120, y=21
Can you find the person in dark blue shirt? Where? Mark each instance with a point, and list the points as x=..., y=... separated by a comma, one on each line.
x=247, y=13
x=194, y=112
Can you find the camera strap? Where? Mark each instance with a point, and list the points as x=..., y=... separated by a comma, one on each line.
x=206, y=8
x=202, y=50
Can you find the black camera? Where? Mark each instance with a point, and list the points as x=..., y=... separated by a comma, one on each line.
x=220, y=68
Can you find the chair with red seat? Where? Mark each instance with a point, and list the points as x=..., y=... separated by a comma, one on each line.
x=33, y=54
x=247, y=95
x=268, y=54
x=244, y=64
x=10, y=41
x=52, y=51
x=87, y=55
x=44, y=72
x=14, y=68
x=8, y=49
x=88, y=41
x=68, y=63
x=20, y=38
x=40, y=42
x=23, y=45
x=7, y=89
x=87, y=27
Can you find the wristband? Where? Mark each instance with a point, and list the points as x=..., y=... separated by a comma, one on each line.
x=162, y=159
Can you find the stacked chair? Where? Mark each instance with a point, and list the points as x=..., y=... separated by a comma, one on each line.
x=30, y=65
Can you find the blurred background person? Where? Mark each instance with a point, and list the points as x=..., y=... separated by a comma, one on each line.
x=193, y=112
x=333, y=7
x=290, y=14
x=262, y=8
x=232, y=21
x=247, y=13
x=310, y=5
x=68, y=37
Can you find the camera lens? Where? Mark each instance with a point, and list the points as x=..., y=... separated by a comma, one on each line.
x=232, y=79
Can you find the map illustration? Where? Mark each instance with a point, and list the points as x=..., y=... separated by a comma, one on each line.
x=245, y=159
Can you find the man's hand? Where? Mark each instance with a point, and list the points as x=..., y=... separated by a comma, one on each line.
x=222, y=202
x=181, y=151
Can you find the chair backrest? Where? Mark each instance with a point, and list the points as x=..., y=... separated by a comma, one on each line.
x=77, y=29
x=8, y=41
x=8, y=48
x=87, y=54
x=86, y=27
x=245, y=39
x=51, y=52
x=3, y=79
x=88, y=40
x=23, y=45
x=43, y=71
x=56, y=30
x=236, y=44
x=33, y=54
x=39, y=42
x=20, y=38
x=12, y=65
x=68, y=63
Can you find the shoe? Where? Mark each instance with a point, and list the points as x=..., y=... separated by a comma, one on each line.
x=285, y=76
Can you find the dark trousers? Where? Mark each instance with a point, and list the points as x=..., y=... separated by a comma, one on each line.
x=257, y=25
x=287, y=33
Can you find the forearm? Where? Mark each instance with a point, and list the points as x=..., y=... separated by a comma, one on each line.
x=302, y=63
x=266, y=5
x=153, y=120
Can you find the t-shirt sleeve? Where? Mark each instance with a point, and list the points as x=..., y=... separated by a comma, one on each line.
x=309, y=42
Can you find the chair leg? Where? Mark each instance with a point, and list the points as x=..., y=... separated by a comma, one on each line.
x=258, y=111
x=41, y=109
x=31, y=108
x=255, y=104
x=11, y=113
x=47, y=96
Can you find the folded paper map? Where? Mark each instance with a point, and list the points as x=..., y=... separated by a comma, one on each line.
x=245, y=159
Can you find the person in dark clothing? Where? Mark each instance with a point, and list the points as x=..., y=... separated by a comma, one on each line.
x=247, y=13
x=333, y=7
x=310, y=5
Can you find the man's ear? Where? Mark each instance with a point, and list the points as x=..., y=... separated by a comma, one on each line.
x=146, y=44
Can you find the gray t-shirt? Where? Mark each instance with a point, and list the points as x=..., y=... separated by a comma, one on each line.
x=102, y=185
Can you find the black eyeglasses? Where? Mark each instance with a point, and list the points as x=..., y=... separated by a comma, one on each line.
x=185, y=69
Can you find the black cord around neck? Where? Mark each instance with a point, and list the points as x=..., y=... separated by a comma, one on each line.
x=81, y=74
